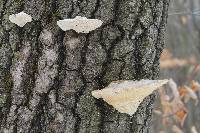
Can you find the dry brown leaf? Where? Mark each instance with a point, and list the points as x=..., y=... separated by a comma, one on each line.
x=172, y=63
x=166, y=54
x=187, y=93
x=191, y=94
x=195, y=85
x=165, y=103
x=179, y=110
x=168, y=61
x=181, y=115
x=178, y=106
x=182, y=91
x=166, y=107
x=175, y=108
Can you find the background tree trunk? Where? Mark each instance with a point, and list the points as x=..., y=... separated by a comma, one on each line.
x=183, y=41
x=47, y=75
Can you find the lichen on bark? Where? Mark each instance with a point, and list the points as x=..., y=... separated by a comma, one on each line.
x=47, y=75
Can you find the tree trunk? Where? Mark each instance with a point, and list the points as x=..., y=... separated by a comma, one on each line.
x=47, y=75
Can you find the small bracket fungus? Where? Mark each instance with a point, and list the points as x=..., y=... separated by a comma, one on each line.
x=20, y=19
x=126, y=95
x=79, y=24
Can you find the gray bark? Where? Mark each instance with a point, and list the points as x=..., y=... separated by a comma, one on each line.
x=47, y=75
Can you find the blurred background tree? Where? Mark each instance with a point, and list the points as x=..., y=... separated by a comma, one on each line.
x=183, y=43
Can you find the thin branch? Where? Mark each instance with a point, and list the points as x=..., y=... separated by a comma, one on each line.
x=194, y=12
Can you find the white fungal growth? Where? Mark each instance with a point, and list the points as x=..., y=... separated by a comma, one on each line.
x=20, y=19
x=126, y=95
x=79, y=24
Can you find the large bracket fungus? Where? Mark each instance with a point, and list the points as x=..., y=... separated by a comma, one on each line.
x=79, y=24
x=126, y=95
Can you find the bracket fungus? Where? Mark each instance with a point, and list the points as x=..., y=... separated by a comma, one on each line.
x=20, y=19
x=79, y=24
x=126, y=95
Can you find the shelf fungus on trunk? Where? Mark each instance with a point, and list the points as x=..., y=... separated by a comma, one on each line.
x=126, y=95
x=20, y=19
x=79, y=24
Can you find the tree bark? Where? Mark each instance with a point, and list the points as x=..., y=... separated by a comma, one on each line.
x=47, y=75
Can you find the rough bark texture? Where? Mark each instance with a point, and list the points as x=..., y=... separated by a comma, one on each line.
x=47, y=75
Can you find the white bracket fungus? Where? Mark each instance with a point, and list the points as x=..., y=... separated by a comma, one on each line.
x=126, y=95
x=79, y=24
x=20, y=19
